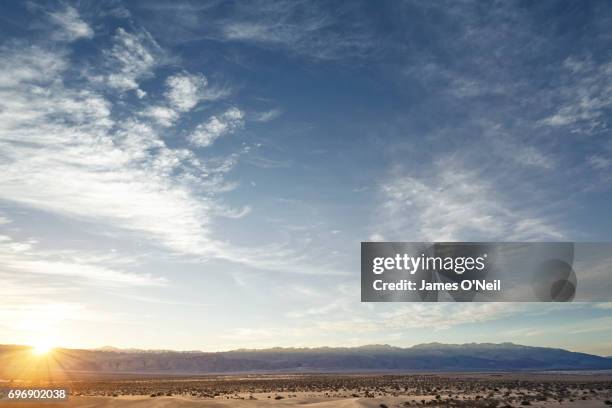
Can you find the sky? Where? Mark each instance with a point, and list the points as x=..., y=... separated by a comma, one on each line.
x=199, y=175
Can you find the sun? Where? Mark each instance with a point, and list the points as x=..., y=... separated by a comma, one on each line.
x=42, y=347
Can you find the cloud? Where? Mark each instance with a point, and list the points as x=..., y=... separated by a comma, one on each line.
x=253, y=32
x=185, y=90
x=37, y=283
x=71, y=24
x=335, y=321
x=530, y=156
x=22, y=258
x=506, y=144
x=452, y=204
x=164, y=116
x=599, y=162
x=302, y=28
x=24, y=63
x=183, y=93
x=283, y=258
x=64, y=152
x=448, y=315
x=132, y=57
x=590, y=326
x=324, y=310
x=605, y=306
x=585, y=95
x=219, y=125
x=268, y=115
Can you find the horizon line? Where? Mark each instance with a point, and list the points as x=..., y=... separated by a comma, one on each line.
x=371, y=345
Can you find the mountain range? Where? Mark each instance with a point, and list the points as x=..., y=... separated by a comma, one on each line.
x=380, y=358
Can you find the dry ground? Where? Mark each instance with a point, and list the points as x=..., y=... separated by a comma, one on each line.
x=341, y=390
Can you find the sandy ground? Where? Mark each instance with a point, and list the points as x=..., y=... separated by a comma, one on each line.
x=304, y=402
x=180, y=402
x=343, y=391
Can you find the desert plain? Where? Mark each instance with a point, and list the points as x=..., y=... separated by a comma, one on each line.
x=336, y=390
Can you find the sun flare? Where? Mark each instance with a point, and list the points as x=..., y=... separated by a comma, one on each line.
x=42, y=347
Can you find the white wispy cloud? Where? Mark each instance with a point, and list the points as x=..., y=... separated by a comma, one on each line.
x=302, y=28
x=183, y=93
x=334, y=324
x=509, y=145
x=64, y=153
x=322, y=310
x=599, y=162
x=26, y=63
x=454, y=203
x=268, y=116
x=447, y=315
x=218, y=125
x=23, y=258
x=163, y=115
x=530, y=156
x=586, y=93
x=72, y=27
x=132, y=57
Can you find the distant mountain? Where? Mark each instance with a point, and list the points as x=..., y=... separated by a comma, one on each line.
x=423, y=357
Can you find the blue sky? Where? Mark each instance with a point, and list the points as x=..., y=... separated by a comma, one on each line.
x=195, y=175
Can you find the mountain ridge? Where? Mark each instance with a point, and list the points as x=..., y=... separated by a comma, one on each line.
x=422, y=357
x=373, y=346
